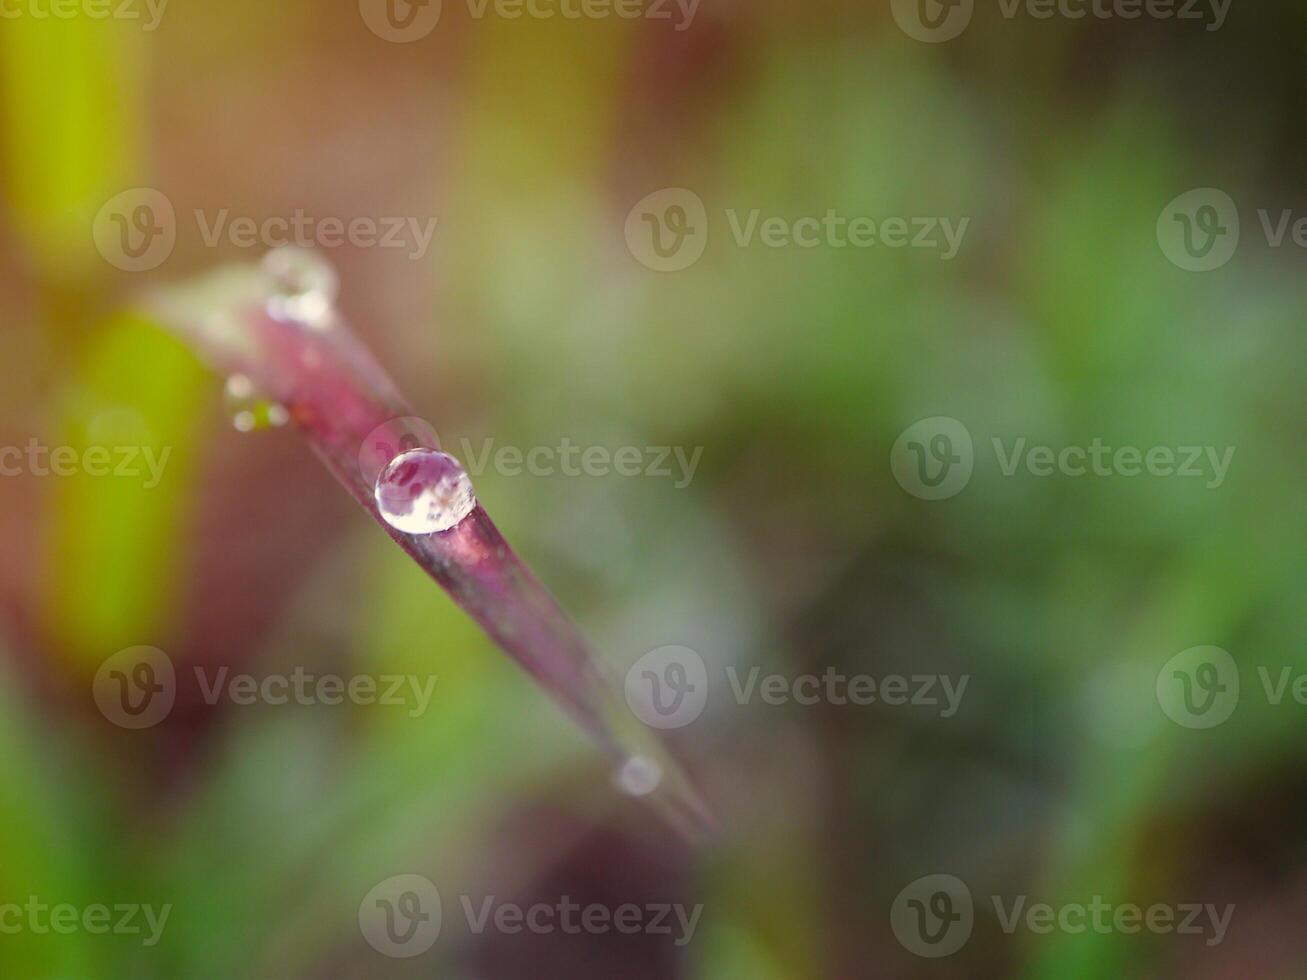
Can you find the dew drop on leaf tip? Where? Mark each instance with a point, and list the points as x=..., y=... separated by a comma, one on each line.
x=638, y=776
x=424, y=491
x=302, y=286
x=249, y=411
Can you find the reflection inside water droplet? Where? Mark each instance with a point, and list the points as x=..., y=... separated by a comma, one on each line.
x=639, y=776
x=247, y=411
x=423, y=491
x=304, y=285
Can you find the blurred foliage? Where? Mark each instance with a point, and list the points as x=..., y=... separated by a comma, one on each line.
x=793, y=549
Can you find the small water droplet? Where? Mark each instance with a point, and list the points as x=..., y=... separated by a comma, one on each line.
x=249, y=412
x=304, y=285
x=423, y=491
x=639, y=776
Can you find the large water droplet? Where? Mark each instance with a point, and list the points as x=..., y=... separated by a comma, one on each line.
x=639, y=776
x=423, y=491
x=249, y=412
x=388, y=440
x=304, y=285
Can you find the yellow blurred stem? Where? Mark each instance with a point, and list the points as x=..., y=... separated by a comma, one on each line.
x=116, y=543
x=72, y=97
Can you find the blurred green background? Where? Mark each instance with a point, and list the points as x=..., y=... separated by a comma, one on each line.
x=532, y=319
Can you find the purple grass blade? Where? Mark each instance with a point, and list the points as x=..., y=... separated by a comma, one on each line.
x=276, y=325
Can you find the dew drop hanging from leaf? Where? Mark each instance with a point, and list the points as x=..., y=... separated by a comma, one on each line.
x=276, y=324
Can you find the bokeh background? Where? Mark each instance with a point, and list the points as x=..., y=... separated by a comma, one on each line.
x=793, y=548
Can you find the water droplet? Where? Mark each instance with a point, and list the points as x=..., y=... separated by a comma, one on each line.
x=304, y=285
x=249, y=412
x=388, y=440
x=423, y=491
x=639, y=776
